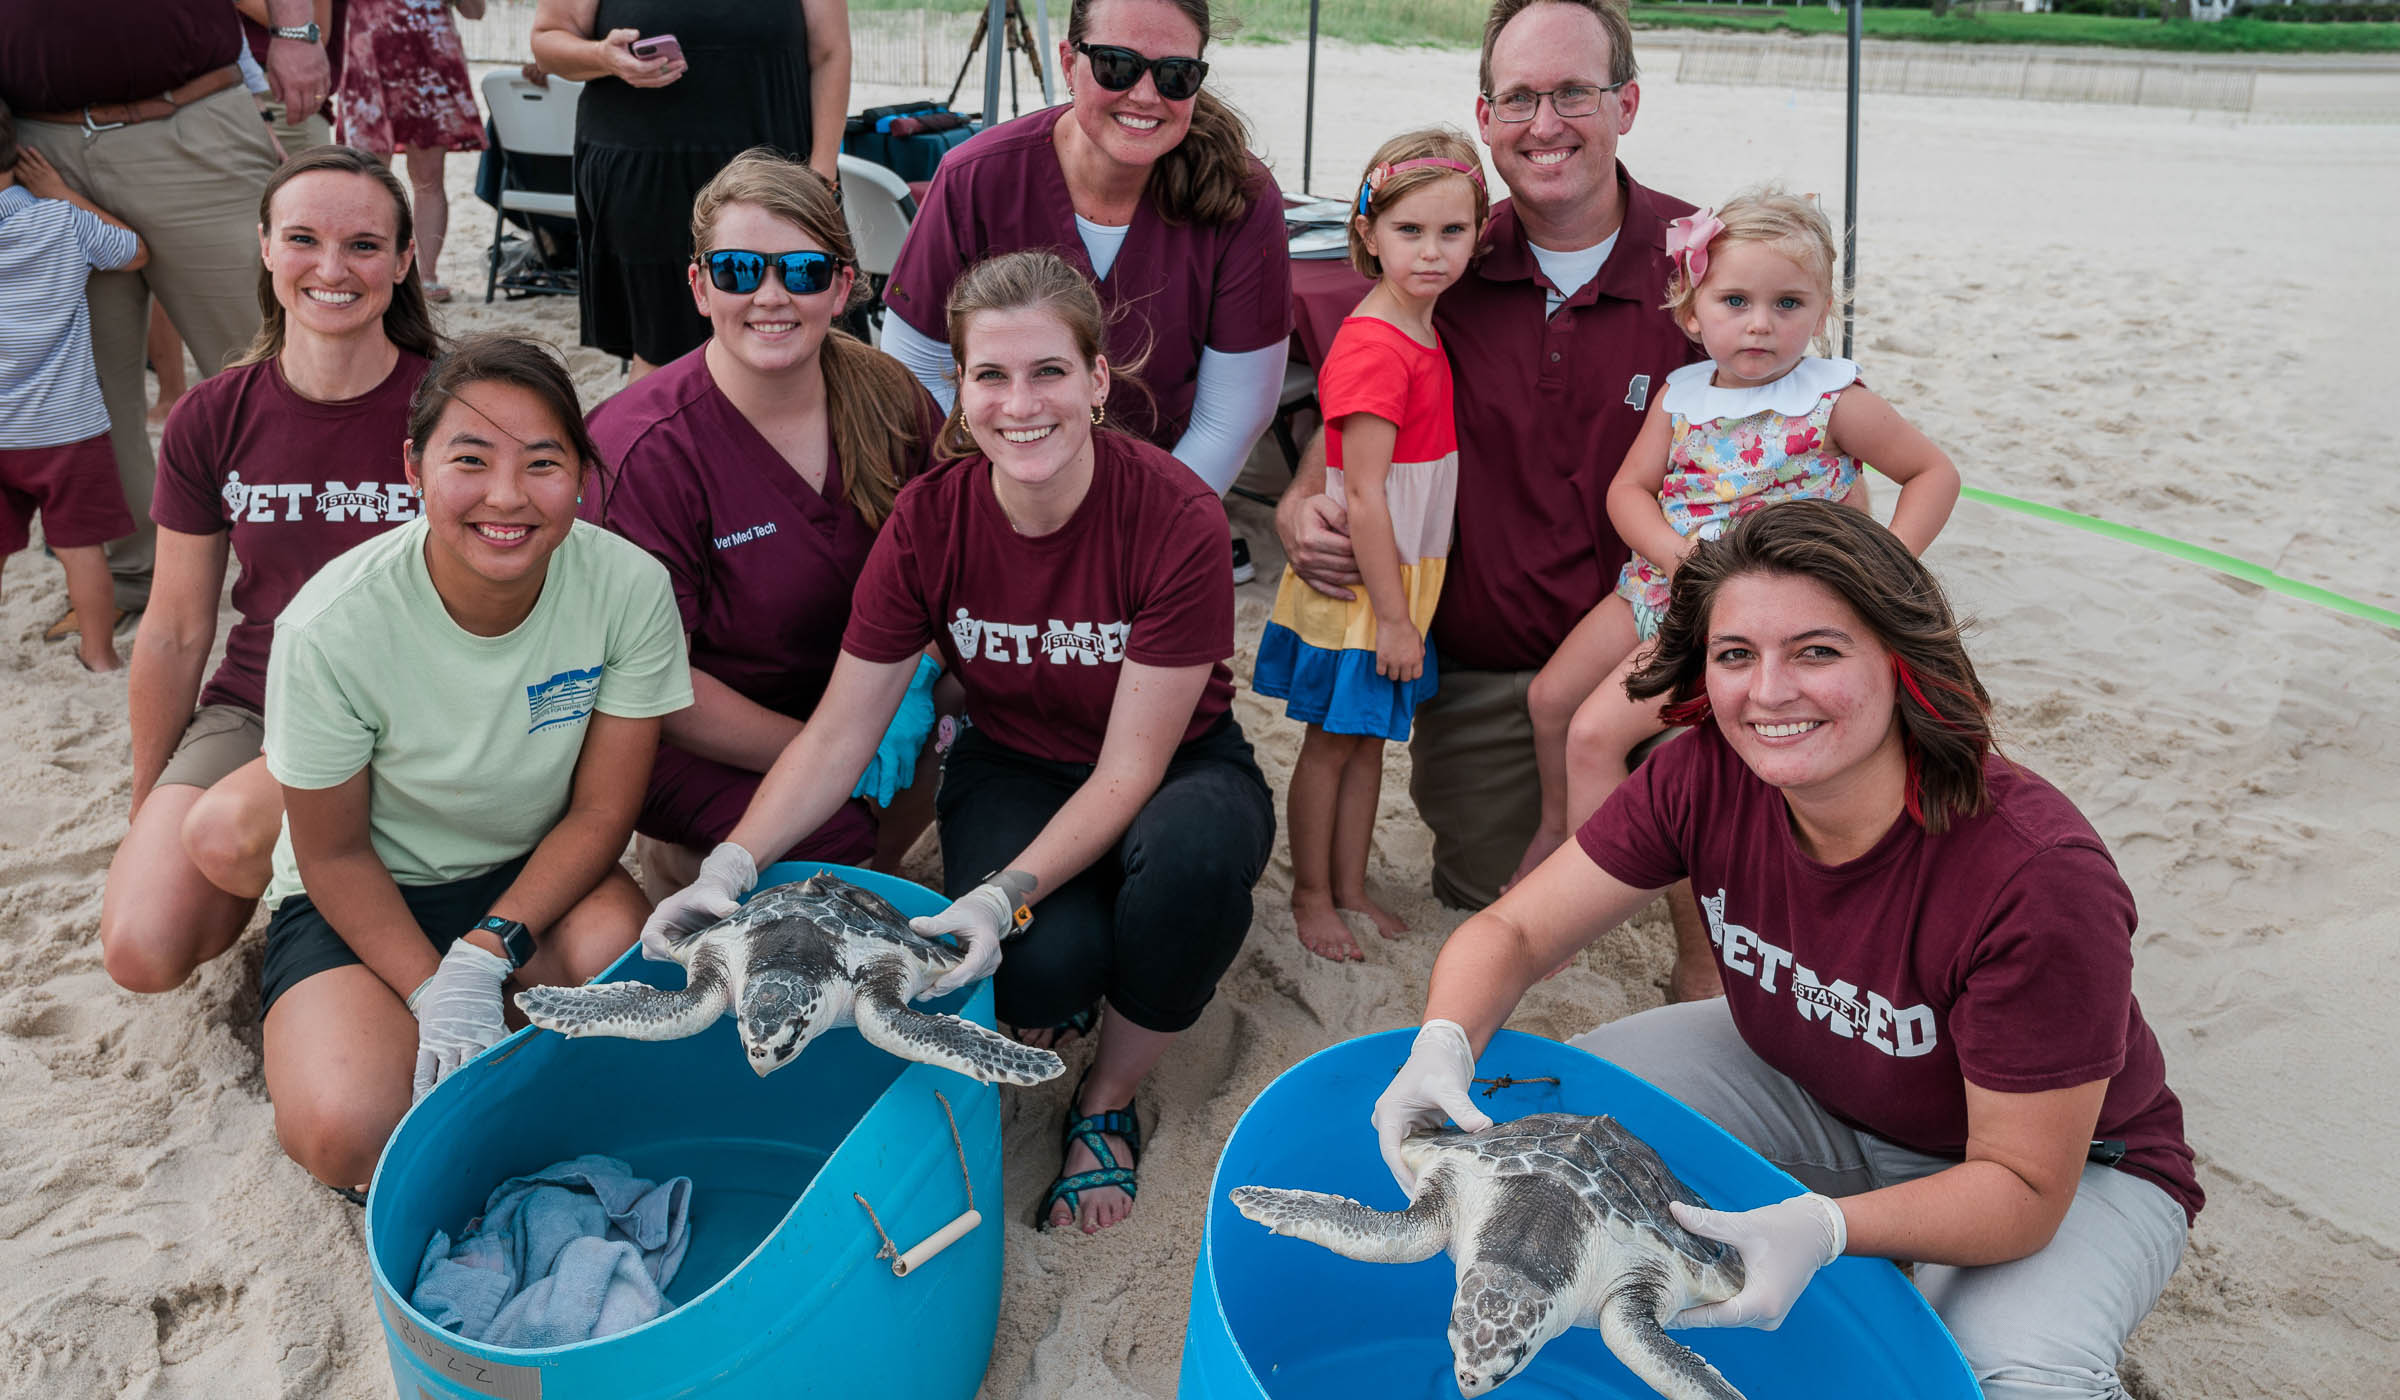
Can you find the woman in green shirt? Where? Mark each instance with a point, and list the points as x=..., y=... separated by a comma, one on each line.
x=462, y=714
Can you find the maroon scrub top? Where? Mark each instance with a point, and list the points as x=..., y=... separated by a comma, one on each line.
x=1175, y=289
x=763, y=565
x=1037, y=627
x=1547, y=408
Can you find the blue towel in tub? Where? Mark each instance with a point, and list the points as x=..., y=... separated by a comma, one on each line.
x=580, y=1249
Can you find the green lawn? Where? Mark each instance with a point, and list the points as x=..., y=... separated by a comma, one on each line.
x=1459, y=23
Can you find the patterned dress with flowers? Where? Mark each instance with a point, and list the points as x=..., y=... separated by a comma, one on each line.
x=1735, y=450
x=404, y=84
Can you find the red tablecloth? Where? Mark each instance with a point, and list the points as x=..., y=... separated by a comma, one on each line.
x=1324, y=290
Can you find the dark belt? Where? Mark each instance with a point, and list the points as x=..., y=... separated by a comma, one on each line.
x=108, y=116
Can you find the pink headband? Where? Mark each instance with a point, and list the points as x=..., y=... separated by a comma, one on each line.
x=1382, y=174
x=1687, y=243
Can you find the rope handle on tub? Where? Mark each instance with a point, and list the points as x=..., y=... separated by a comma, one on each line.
x=903, y=1263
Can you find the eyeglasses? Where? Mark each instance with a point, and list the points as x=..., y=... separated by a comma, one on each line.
x=740, y=271
x=1118, y=69
x=1575, y=100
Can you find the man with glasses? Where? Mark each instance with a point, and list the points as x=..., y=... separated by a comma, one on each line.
x=1558, y=342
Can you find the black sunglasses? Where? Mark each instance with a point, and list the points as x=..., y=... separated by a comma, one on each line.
x=1118, y=68
x=740, y=271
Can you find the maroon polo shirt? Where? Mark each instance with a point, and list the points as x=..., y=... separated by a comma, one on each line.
x=59, y=55
x=1037, y=628
x=1174, y=290
x=763, y=564
x=1999, y=952
x=1547, y=408
x=294, y=481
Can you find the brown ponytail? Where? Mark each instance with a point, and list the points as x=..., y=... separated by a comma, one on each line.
x=1207, y=178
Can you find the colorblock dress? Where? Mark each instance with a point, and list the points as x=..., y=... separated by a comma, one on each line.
x=1734, y=450
x=1318, y=653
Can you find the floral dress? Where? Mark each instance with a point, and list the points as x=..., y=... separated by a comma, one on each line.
x=1734, y=450
x=404, y=84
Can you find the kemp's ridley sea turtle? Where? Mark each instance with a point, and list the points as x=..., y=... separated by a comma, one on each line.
x=793, y=963
x=1553, y=1221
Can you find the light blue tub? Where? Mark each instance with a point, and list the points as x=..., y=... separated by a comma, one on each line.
x=780, y=1293
x=1283, y=1319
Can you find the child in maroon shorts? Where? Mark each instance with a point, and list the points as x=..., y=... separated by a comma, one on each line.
x=54, y=452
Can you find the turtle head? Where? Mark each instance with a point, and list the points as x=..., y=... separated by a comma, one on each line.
x=1500, y=1319
x=779, y=1016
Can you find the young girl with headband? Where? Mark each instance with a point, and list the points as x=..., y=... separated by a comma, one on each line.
x=1355, y=670
x=1760, y=420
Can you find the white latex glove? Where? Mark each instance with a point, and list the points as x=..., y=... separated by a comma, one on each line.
x=715, y=892
x=1437, y=1082
x=978, y=919
x=1782, y=1245
x=458, y=1012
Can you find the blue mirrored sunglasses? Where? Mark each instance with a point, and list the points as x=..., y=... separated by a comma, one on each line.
x=738, y=270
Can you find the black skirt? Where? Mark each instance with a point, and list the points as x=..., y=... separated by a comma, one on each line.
x=642, y=154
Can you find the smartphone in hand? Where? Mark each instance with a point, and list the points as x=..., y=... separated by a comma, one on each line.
x=657, y=46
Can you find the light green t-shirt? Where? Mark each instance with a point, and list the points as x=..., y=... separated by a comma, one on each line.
x=470, y=742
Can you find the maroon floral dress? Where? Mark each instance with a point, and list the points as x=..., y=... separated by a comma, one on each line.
x=404, y=80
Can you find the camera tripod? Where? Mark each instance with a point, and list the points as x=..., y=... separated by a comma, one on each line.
x=1020, y=40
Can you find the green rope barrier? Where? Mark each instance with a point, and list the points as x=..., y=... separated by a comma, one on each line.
x=2223, y=563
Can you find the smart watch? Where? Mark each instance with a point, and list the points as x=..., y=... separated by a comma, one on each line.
x=514, y=937
x=306, y=33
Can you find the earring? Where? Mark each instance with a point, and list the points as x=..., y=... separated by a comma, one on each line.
x=1099, y=413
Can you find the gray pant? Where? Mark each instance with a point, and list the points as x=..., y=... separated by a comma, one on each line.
x=2045, y=1327
x=189, y=184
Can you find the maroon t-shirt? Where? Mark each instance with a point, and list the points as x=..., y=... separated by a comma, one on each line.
x=1174, y=290
x=2000, y=951
x=296, y=482
x=763, y=564
x=58, y=55
x=1035, y=627
x=1547, y=408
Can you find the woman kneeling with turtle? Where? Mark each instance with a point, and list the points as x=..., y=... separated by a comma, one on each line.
x=1928, y=962
x=1074, y=580
x=462, y=714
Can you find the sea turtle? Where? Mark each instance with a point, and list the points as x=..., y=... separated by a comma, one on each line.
x=793, y=963
x=1553, y=1220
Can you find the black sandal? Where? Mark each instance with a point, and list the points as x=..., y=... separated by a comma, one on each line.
x=1087, y=1128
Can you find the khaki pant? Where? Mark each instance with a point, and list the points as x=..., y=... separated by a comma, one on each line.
x=296, y=137
x=1475, y=781
x=189, y=184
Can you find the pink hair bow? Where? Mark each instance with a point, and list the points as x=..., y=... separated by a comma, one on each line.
x=1687, y=243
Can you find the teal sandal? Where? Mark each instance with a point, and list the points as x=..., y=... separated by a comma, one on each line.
x=1118, y=1122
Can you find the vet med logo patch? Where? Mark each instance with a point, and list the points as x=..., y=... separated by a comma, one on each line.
x=562, y=699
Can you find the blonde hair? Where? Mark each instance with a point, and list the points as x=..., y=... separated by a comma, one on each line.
x=1789, y=224
x=1034, y=279
x=871, y=400
x=1428, y=143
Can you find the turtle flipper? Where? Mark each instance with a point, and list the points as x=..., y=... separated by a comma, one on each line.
x=1352, y=1230
x=1631, y=1322
x=632, y=1010
x=889, y=1024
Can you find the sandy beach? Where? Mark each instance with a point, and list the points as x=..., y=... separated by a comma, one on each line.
x=2156, y=317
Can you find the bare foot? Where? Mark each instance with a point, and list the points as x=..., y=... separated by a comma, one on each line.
x=103, y=658
x=1694, y=983
x=1545, y=840
x=1387, y=923
x=1100, y=1206
x=1039, y=1037
x=1322, y=928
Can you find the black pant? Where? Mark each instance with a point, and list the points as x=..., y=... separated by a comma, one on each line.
x=1153, y=923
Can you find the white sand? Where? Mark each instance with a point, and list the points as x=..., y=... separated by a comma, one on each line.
x=2175, y=322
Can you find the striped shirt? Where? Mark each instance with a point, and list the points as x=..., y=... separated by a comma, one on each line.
x=49, y=392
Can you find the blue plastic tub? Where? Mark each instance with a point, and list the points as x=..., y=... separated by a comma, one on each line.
x=1282, y=1318
x=780, y=1293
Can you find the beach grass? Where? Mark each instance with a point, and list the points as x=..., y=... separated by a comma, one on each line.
x=1459, y=23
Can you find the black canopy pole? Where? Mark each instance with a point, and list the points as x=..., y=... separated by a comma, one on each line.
x=1850, y=185
x=995, y=56
x=1308, y=129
